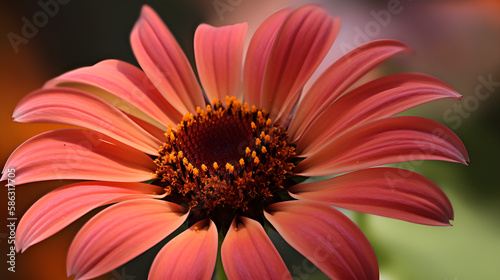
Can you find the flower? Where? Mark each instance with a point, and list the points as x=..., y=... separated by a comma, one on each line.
x=227, y=159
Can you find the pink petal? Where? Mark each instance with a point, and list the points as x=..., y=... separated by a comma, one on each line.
x=326, y=237
x=247, y=253
x=378, y=99
x=120, y=233
x=300, y=45
x=127, y=82
x=385, y=141
x=76, y=107
x=164, y=63
x=219, y=54
x=338, y=78
x=190, y=255
x=257, y=55
x=155, y=131
x=61, y=207
x=78, y=154
x=389, y=192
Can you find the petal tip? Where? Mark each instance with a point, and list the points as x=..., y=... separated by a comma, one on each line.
x=19, y=249
x=457, y=95
x=145, y=9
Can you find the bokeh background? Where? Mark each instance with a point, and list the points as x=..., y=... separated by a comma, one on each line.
x=456, y=41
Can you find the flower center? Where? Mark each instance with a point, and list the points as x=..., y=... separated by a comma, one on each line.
x=225, y=160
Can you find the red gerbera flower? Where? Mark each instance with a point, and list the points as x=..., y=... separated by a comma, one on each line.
x=230, y=157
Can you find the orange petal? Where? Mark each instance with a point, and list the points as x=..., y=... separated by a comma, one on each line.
x=61, y=207
x=257, y=56
x=302, y=42
x=76, y=107
x=164, y=63
x=190, y=255
x=219, y=54
x=378, y=99
x=338, y=78
x=385, y=141
x=326, y=237
x=247, y=253
x=155, y=131
x=127, y=82
x=389, y=192
x=120, y=233
x=78, y=154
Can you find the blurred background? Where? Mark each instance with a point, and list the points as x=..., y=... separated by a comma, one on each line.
x=456, y=41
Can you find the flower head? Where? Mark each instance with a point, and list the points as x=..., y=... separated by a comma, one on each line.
x=226, y=157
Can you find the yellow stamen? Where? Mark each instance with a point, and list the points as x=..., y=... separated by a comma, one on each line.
x=229, y=167
x=257, y=142
x=172, y=156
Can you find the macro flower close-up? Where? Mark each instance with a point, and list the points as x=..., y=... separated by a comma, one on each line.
x=245, y=144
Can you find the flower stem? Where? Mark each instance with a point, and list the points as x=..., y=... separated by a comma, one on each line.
x=220, y=274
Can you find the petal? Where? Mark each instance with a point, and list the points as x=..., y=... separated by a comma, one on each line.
x=61, y=207
x=338, y=78
x=385, y=141
x=164, y=63
x=78, y=154
x=120, y=233
x=155, y=131
x=247, y=253
x=378, y=99
x=190, y=255
x=326, y=237
x=127, y=82
x=257, y=55
x=302, y=42
x=76, y=107
x=219, y=54
x=389, y=192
